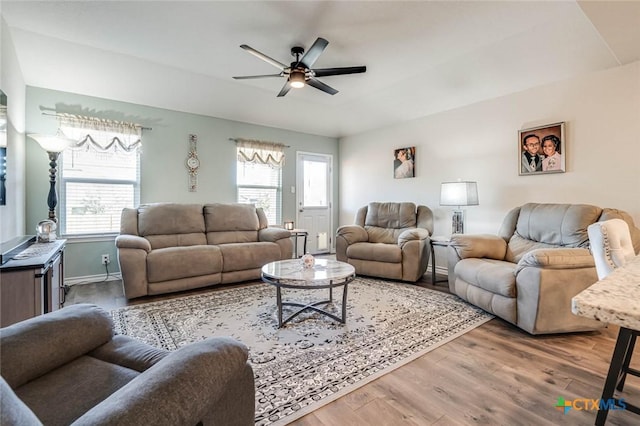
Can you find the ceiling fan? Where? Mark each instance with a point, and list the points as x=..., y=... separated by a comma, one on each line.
x=300, y=73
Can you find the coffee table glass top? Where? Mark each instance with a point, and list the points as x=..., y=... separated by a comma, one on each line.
x=323, y=270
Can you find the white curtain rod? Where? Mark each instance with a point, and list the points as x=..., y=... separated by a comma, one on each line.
x=255, y=140
x=66, y=115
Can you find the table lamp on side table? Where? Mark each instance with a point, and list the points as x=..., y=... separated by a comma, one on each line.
x=458, y=194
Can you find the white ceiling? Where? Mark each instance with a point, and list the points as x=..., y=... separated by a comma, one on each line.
x=421, y=57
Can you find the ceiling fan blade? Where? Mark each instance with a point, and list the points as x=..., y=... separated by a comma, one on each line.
x=264, y=57
x=321, y=86
x=325, y=72
x=247, y=77
x=311, y=55
x=285, y=89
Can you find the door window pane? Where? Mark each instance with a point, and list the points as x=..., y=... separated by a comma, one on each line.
x=315, y=183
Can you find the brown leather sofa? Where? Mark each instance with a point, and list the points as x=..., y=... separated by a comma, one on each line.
x=528, y=273
x=69, y=368
x=388, y=240
x=168, y=247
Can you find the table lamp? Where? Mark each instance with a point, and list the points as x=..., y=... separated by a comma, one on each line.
x=458, y=194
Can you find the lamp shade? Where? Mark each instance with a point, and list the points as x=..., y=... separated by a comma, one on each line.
x=52, y=143
x=459, y=194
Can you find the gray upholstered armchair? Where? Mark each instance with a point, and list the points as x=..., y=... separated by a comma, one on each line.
x=528, y=273
x=67, y=367
x=388, y=240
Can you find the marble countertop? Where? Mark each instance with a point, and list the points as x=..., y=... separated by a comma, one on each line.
x=614, y=299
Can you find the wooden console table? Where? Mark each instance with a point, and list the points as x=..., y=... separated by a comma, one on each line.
x=31, y=281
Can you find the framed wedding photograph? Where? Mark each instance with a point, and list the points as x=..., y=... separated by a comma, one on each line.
x=404, y=163
x=541, y=150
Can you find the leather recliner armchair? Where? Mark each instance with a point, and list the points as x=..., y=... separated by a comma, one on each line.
x=528, y=273
x=388, y=240
x=68, y=367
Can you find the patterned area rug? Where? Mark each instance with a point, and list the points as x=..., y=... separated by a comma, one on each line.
x=312, y=360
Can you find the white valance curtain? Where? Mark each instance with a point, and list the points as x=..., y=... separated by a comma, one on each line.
x=100, y=134
x=260, y=152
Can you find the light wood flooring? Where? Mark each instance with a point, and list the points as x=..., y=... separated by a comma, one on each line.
x=495, y=374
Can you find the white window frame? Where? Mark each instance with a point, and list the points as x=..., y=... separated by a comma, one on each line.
x=278, y=188
x=63, y=195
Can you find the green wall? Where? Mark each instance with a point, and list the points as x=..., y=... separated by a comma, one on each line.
x=163, y=173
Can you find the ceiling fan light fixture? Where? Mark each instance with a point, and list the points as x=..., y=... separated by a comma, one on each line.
x=296, y=79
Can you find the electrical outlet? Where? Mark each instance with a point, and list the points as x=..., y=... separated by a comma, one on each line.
x=105, y=259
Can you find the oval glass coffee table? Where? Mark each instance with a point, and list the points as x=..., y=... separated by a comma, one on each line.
x=326, y=273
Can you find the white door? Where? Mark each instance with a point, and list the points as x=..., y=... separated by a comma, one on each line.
x=314, y=181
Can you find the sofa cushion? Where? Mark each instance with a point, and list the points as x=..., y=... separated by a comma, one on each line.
x=231, y=237
x=231, y=217
x=383, y=235
x=86, y=381
x=181, y=262
x=231, y=223
x=391, y=215
x=494, y=276
x=389, y=253
x=518, y=247
x=176, y=240
x=170, y=218
x=563, y=225
x=551, y=225
x=239, y=257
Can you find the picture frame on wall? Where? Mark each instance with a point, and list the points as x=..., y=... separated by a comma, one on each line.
x=542, y=150
x=404, y=165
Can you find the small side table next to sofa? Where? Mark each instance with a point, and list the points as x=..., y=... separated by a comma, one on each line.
x=437, y=241
x=295, y=234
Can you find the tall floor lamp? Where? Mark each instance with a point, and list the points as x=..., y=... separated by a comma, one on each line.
x=54, y=145
x=458, y=194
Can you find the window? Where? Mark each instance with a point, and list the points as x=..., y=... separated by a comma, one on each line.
x=98, y=179
x=259, y=177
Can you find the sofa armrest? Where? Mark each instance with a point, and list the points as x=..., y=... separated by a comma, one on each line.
x=129, y=352
x=32, y=348
x=347, y=235
x=12, y=410
x=557, y=258
x=273, y=234
x=133, y=242
x=479, y=246
x=179, y=389
x=412, y=235
x=353, y=234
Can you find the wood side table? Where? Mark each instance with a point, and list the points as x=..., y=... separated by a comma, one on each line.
x=437, y=242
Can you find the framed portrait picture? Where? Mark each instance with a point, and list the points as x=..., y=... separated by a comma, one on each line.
x=404, y=163
x=542, y=150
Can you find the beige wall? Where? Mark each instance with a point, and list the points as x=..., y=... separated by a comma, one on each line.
x=480, y=142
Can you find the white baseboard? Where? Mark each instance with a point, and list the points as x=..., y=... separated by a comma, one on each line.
x=90, y=279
